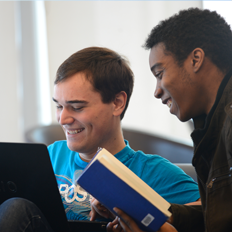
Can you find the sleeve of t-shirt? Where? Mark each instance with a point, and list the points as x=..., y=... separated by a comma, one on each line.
x=171, y=182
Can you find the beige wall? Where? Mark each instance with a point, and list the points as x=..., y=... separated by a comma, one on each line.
x=123, y=27
x=9, y=78
x=73, y=25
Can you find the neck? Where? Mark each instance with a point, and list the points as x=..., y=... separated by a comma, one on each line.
x=113, y=144
x=85, y=158
x=212, y=78
x=213, y=90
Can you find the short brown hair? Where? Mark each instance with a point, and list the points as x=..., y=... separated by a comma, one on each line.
x=108, y=72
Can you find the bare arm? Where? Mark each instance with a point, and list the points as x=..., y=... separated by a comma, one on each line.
x=197, y=202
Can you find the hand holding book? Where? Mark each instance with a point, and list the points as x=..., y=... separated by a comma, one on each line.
x=114, y=185
x=127, y=224
x=99, y=210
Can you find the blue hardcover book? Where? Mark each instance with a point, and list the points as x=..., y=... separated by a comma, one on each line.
x=114, y=185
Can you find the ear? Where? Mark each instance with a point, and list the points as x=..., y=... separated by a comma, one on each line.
x=119, y=103
x=197, y=58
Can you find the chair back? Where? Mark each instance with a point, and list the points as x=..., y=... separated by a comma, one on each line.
x=178, y=153
x=174, y=151
x=45, y=134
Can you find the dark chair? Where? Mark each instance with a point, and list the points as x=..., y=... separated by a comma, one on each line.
x=150, y=144
x=45, y=134
x=177, y=153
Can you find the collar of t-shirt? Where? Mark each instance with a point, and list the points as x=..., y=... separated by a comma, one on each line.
x=122, y=155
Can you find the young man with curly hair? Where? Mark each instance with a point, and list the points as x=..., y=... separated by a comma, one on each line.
x=191, y=58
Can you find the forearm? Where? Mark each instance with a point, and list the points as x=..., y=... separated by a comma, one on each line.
x=187, y=218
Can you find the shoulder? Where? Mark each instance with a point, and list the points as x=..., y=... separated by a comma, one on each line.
x=158, y=166
x=147, y=164
x=151, y=164
x=151, y=159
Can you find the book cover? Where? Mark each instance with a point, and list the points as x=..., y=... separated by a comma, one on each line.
x=114, y=185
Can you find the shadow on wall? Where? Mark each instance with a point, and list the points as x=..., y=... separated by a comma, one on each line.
x=175, y=152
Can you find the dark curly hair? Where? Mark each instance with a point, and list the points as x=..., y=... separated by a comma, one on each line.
x=193, y=28
x=108, y=72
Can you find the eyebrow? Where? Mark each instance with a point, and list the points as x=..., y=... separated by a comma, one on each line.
x=71, y=102
x=155, y=66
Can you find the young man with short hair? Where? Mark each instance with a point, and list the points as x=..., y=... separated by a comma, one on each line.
x=191, y=58
x=92, y=91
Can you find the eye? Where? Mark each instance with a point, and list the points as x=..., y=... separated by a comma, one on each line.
x=159, y=74
x=78, y=108
x=59, y=107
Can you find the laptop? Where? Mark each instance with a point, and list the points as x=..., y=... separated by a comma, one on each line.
x=26, y=172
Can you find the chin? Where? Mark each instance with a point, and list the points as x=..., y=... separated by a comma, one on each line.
x=72, y=147
x=183, y=118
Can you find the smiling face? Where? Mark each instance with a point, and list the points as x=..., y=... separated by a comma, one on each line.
x=88, y=123
x=176, y=85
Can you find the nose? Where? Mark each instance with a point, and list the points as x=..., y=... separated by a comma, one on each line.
x=158, y=91
x=64, y=117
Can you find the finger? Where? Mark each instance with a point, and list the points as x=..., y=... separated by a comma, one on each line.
x=92, y=200
x=127, y=222
x=114, y=226
x=98, y=210
x=124, y=226
x=94, y=213
x=98, y=206
x=109, y=227
x=115, y=221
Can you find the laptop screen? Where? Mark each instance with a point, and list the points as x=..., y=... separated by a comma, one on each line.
x=26, y=172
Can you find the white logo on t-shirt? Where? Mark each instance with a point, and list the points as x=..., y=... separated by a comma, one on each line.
x=72, y=193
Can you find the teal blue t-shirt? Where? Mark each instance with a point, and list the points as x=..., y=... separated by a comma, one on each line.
x=164, y=177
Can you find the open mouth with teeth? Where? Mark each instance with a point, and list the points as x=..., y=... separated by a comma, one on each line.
x=169, y=103
x=72, y=132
